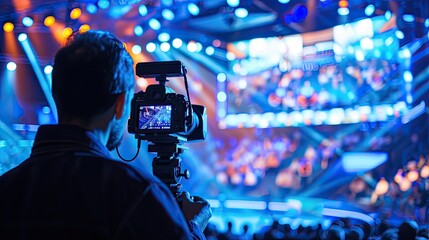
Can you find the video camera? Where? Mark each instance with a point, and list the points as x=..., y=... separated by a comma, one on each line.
x=166, y=119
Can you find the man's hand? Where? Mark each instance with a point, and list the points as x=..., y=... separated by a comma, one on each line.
x=196, y=209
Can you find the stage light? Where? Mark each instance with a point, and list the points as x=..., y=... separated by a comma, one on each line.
x=143, y=10
x=343, y=4
x=138, y=30
x=151, y=47
x=177, y=43
x=48, y=69
x=221, y=77
x=369, y=10
x=167, y=3
x=84, y=28
x=193, y=9
x=216, y=43
x=199, y=47
x=210, y=50
x=382, y=187
x=165, y=47
x=230, y=56
x=427, y=22
x=284, y=1
x=164, y=37
x=91, y=8
x=11, y=66
x=408, y=17
x=136, y=49
x=103, y=4
x=167, y=14
x=233, y=3
x=408, y=76
x=388, y=41
x=387, y=15
x=299, y=13
x=27, y=21
x=221, y=96
x=49, y=21
x=154, y=24
x=75, y=13
x=343, y=11
x=22, y=37
x=366, y=43
x=192, y=46
x=67, y=32
x=424, y=172
x=241, y=12
x=399, y=34
x=8, y=27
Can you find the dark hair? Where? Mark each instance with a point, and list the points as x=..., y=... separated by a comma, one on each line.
x=89, y=73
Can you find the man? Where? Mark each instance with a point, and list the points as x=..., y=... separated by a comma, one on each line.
x=70, y=188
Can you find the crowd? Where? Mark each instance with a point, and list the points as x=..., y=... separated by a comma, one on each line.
x=353, y=83
x=340, y=229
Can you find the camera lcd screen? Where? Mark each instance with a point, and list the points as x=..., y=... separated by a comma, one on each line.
x=155, y=117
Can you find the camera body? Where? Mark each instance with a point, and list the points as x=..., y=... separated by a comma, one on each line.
x=160, y=111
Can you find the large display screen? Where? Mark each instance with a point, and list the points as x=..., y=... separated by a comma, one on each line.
x=357, y=76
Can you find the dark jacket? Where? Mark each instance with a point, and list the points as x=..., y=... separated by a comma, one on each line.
x=70, y=188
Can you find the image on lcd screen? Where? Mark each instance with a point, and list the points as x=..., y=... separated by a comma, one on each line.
x=155, y=117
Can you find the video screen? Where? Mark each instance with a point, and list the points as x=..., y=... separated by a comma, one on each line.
x=155, y=117
x=354, y=76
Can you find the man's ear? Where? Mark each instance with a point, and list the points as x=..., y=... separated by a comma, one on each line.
x=120, y=104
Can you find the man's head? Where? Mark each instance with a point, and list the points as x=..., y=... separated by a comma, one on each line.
x=90, y=74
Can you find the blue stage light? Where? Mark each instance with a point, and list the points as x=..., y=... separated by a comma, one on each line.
x=103, y=4
x=165, y=47
x=210, y=50
x=11, y=66
x=164, y=37
x=408, y=17
x=343, y=11
x=241, y=12
x=221, y=96
x=167, y=14
x=154, y=24
x=221, y=77
x=136, y=49
x=299, y=13
x=151, y=47
x=233, y=3
x=48, y=69
x=284, y=1
x=177, y=43
x=91, y=8
x=138, y=30
x=143, y=10
x=369, y=10
x=193, y=9
x=22, y=37
x=27, y=21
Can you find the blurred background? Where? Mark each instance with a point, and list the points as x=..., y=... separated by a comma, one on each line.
x=316, y=108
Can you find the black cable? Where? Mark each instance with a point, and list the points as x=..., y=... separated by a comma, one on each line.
x=187, y=94
x=132, y=159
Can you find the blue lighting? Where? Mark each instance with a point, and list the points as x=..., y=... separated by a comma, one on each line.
x=167, y=14
x=343, y=11
x=399, y=34
x=46, y=110
x=136, y=49
x=151, y=47
x=167, y=3
x=210, y=50
x=138, y=30
x=241, y=12
x=388, y=15
x=427, y=22
x=91, y=8
x=11, y=66
x=177, y=43
x=103, y=4
x=22, y=37
x=27, y=21
x=300, y=12
x=233, y=3
x=408, y=17
x=284, y=1
x=48, y=69
x=193, y=9
x=154, y=24
x=221, y=96
x=143, y=10
x=362, y=161
x=408, y=76
x=221, y=77
x=369, y=10
x=165, y=46
x=164, y=37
